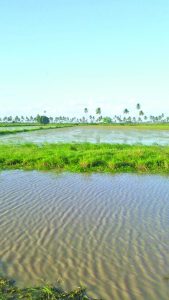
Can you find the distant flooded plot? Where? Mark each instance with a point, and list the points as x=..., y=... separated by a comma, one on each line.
x=92, y=134
x=108, y=232
x=5, y=128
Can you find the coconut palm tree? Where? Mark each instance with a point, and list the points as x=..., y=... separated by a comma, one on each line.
x=141, y=113
x=86, y=112
x=91, y=118
x=22, y=118
x=126, y=111
x=138, y=106
x=10, y=119
x=98, y=111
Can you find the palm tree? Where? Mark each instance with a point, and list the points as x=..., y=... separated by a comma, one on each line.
x=138, y=106
x=98, y=111
x=126, y=111
x=10, y=119
x=86, y=111
x=90, y=117
x=31, y=118
x=141, y=113
x=22, y=118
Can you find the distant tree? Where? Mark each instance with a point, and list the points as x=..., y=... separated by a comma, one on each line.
x=10, y=119
x=107, y=120
x=126, y=111
x=138, y=106
x=141, y=113
x=17, y=119
x=91, y=118
x=100, y=118
x=31, y=118
x=98, y=111
x=86, y=112
x=42, y=119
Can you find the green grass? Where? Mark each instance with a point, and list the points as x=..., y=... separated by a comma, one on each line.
x=13, y=124
x=141, y=126
x=43, y=127
x=146, y=126
x=9, y=291
x=86, y=157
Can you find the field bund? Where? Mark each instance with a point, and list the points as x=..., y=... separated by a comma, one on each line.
x=85, y=157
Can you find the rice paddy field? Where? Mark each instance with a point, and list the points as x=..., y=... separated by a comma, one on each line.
x=84, y=206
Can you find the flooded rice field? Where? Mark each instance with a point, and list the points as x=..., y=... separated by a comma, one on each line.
x=108, y=232
x=13, y=128
x=92, y=134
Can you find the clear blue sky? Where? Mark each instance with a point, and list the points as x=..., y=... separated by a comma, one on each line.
x=64, y=55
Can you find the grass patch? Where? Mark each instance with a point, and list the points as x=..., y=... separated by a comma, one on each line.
x=86, y=157
x=9, y=291
x=146, y=126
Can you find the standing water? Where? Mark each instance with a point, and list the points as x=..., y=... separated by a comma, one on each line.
x=108, y=232
x=92, y=134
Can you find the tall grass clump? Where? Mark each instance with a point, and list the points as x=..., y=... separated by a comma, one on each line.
x=85, y=157
x=9, y=291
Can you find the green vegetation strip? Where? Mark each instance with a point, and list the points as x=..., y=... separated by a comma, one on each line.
x=143, y=126
x=9, y=291
x=21, y=124
x=4, y=132
x=86, y=157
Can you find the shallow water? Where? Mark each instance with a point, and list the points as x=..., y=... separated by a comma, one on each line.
x=12, y=128
x=108, y=232
x=92, y=134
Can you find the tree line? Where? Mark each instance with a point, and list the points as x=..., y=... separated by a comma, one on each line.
x=125, y=117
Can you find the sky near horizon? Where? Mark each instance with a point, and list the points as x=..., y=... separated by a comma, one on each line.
x=64, y=55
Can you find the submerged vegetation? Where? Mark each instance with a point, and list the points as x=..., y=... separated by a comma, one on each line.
x=9, y=291
x=85, y=157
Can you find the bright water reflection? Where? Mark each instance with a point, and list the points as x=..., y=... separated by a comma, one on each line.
x=108, y=232
x=92, y=134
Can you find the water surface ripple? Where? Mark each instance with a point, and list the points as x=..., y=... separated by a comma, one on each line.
x=108, y=232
